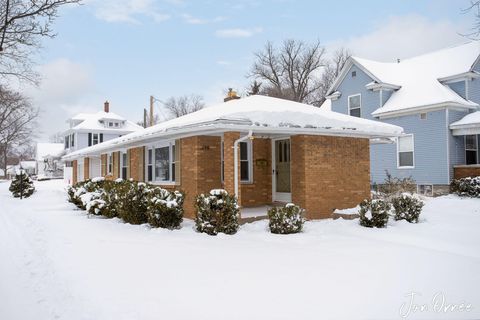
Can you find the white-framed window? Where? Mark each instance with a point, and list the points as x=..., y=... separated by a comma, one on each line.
x=355, y=105
x=405, y=151
x=124, y=161
x=471, y=147
x=67, y=139
x=109, y=163
x=95, y=139
x=72, y=139
x=246, y=168
x=116, y=124
x=110, y=124
x=161, y=163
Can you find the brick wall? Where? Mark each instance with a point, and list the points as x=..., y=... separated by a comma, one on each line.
x=103, y=163
x=329, y=173
x=86, y=168
x=466, y=171
x=136, y=163
x=74, y=171
x=116, y=165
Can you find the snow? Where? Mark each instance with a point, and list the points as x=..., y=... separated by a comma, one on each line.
x=326, y=105
x=470, y=119
x=419, y=77
x=46, y=149
x=91, y=121
x=28, y=164
x=59, y=263
x=260, y=114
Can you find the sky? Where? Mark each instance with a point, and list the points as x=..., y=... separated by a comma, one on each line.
x=124, y=51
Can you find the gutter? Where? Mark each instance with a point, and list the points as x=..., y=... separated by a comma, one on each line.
x=235, y=160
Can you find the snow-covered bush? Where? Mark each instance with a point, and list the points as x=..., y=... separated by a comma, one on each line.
x=285, y=220
x=466, y=187
x=217, y=212
x=131, y=201
x=22, y=186
x=374, y=213
x=407, y=207
x=165, y=209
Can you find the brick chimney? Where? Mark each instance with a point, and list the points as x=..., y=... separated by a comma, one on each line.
x=231, y=95
x=106, y=107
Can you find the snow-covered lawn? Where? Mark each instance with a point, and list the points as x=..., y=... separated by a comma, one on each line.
x=58, y=263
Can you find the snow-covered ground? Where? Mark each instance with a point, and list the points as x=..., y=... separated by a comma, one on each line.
x=58, y=263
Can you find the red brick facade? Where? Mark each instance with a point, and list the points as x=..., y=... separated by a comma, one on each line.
x=466, y=171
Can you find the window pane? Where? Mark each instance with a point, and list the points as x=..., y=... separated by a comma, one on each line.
x=162, y=163
x=124, y=173
x=150, y=172
x=354, y=102
x=173, y=171
x=173, y=153
x=244, y=174
x=406, y=159
x=355, y=112
x=150, y=151
x=243, y=151
x=405, y=144
x=470, y=142
x=471, y=157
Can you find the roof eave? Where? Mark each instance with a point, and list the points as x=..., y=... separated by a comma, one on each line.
x=417, y=109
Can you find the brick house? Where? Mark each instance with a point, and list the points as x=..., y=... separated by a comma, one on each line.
x=264, y=150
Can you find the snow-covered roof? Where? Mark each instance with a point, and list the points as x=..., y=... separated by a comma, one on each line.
x=91, y=121
x=261, y=115
x=470, y=120
x=326, y=105
x=46, y=149
x=418, y=79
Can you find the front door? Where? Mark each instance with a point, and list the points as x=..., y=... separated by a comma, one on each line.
x=281, y=172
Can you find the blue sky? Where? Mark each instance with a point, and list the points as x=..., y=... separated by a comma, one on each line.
x=125, y=50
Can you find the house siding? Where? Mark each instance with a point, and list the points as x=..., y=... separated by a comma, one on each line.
x=459, y=88
x=430, y=157
x=370, y=100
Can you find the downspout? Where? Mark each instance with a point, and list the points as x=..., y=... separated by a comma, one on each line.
x=235, y=160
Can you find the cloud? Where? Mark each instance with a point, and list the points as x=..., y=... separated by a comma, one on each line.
x=237, y=32
x=402, y=37
x=188, y=18
x=224, y=62
x=127, y=10
x=66, y=88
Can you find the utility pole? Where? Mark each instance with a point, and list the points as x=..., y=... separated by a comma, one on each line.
x=144, y=117
x=151, y=110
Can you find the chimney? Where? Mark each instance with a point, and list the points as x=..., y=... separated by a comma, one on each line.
x=106, y=107
x=398, y=60
x=231, y=95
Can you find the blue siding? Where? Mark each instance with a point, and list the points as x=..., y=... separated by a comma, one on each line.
x=459, y=88
x=456, y=143
x=430, y=155
x=474, y=87
x=386, y=94
x=354, y=85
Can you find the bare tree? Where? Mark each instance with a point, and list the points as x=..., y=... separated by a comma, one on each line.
x=22, y=24
x=180, y=106
x=146, y=123
x=289, y=72
x=17, y=122
x=255, y=88
x=331, y=71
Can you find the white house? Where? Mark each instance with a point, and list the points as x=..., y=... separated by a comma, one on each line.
x=88, y=129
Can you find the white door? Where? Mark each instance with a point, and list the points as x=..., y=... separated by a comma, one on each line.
x=80, y=171
x=95, y=167
x=281, y=178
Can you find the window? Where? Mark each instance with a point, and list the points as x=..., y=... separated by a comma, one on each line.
x=95, y=139
x=471, y=145
x=354, y=105
x=354, y=74
x=423, y=116
x=245, y=161
x=124, y=165
x=66, y=142
x=72, y=140
x=116, y=124
x=109, y=163
x=149, y=164
x=110, y=124
x=162, y=164
x=405, y=147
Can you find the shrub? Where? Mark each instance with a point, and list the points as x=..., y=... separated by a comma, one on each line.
x=165, y=209
x=407, y=207
x=393, y=186
x=217, y=212
x=374, y=213
x=131, y=201
x=466, y=187
x=285, y=220
x=22, y=186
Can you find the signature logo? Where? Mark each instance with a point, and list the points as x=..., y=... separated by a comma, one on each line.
x=438, y=304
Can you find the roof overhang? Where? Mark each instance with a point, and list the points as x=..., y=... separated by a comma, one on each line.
x=375, y=86
x=469, y=75
x=217, y=127
x=465, y=129
x=334, y=96
x=425, y=108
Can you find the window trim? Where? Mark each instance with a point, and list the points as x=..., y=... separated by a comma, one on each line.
x=109, y=163
x=153, y=146
x=413, y=152
x=350, y=109
x=124, y=164
x=249, y=161
x=476, y=148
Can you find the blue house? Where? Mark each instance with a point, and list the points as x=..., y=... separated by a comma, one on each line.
x=435, y=97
